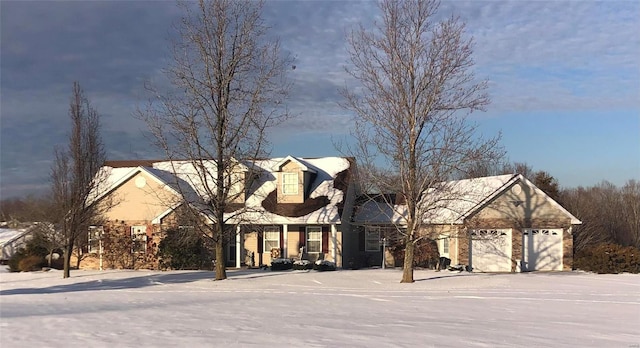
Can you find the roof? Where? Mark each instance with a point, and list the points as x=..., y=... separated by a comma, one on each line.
x=452, y=202
x=7, y=235
x=182, y=177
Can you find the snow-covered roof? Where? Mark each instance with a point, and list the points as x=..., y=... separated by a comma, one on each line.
x=7, y=235
x=182, y=176
x=303, y=166
x=450, y=202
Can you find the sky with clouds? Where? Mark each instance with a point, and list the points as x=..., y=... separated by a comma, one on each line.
x=564, y=79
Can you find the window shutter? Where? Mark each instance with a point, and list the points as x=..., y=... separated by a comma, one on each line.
x=260, y=242
x=361, y=241
x=325, y=239
x=281, y=241
x=303, y=237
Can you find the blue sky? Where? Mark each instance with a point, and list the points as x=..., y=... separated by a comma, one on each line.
x=564, y=79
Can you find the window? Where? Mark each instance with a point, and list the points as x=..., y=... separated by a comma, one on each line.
x=139, y=238
x=290, y=183
x=95, y=234
x=314, y=239
x=271, y=238
x=372, y=239
x=445, y=247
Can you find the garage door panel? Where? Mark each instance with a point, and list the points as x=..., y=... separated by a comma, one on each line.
x=542, y=249
x=490, y=250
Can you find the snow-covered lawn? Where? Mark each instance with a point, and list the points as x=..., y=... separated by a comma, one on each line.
x=364, y=308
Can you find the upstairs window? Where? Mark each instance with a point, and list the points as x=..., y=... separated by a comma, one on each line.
x=290, y=183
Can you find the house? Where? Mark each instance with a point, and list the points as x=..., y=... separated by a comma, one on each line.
x=11, y=240
x=306, y=208
x=283, y=207
x=493, y=224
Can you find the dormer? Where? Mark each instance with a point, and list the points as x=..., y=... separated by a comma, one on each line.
x=294, y=180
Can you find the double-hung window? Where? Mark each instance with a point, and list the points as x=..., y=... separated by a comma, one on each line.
x=271, y=238
x=95, y=234
x=139, y=238
x=314, y=239
x=372, y=238
x=290, y=183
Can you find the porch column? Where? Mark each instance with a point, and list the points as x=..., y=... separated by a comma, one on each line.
x=238, y=249
x=334, y=241
x=285, y=235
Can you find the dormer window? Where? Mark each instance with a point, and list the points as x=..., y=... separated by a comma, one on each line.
x=290, y=183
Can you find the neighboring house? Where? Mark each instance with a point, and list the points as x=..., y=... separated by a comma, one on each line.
x=11, y=240
x=493, y=224
x=294, y=207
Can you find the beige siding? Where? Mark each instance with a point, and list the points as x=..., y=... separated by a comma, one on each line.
x=131, y=202
x=293, y=244
x=523, y=204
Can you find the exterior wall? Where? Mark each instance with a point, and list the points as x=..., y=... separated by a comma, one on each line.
x=293, y=246
x=291, y=167
x=128, y=260
x=517, y=228
x=567, y=250
x=522, y=204
x=517, y=208
x=131, y=202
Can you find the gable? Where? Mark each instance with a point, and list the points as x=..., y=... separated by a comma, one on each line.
x=140, y=197
x=522, y=202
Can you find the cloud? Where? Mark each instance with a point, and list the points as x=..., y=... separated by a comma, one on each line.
x=537, y=55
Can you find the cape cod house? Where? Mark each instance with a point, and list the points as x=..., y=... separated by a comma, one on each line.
x=306, y=208
x=293, y=207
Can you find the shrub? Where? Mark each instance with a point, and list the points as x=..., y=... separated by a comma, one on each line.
x=15, y=260
x=608, y=258
x=281, y=264
x=184, y=249
x=302, y=265
x=29, y=258
x=31, y=263
x=322, y=265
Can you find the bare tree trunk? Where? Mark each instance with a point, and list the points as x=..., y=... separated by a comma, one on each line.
x=66, y=272
x=407, y=269
x=221, y=269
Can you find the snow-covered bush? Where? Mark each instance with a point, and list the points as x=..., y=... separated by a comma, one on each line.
x=323, y=265
x=302, y=265
x=281, y=264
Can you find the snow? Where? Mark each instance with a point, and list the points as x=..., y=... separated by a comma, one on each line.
x=363, y=308
x=8, y=234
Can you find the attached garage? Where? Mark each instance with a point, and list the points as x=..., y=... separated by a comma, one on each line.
x=542, y=249
x=490, y=250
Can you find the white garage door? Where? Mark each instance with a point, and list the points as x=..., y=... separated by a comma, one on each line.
x=490, y=250
x=542, y=250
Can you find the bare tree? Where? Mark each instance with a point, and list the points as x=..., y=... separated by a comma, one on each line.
x=229, y=79
x=75, y=174
x=416, y=90
x=630, y=193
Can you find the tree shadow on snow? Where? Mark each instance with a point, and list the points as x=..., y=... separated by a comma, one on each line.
x=116, y=284
x=144, y=281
